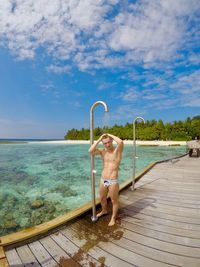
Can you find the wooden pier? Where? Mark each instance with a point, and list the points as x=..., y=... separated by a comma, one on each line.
x=158, y=225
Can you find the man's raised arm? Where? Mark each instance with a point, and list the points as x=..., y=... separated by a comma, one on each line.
x=93, y=149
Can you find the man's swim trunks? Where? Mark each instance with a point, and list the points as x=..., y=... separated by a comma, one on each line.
x=108, y=182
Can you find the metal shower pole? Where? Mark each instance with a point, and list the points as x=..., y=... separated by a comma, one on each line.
x=134, y=150
x=92, y=170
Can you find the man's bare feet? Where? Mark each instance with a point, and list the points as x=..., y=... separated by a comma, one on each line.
x=112, y=222
x=63, y=262
x=102, y=213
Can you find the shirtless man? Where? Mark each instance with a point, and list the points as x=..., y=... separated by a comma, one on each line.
x=111, y=157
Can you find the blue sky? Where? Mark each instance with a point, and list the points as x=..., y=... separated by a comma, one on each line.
x=58, y=57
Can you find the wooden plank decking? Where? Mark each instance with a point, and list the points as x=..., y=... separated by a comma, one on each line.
x=158, y=225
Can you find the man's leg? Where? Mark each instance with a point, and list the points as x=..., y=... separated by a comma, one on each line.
x=114, y=195
x=103, y=191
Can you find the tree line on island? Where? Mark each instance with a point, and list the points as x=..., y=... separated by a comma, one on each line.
x=151, y=130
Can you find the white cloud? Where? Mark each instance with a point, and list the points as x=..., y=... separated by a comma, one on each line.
x=188, y=84
x=105, y=86
x=131, y=94
x=145, y=97
x=153, y=95
x=151, y=31
x=144, y=33
x=49, y=89
x=165, y=91
x=59, y=69
x=54, y=25
x=192, y=102
x=194, y=59
x=125, y=113
x=83, y=32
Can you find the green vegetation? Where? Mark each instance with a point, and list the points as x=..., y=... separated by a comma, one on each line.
x=151, y=130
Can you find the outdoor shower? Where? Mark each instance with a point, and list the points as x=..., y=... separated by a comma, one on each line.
x=92, y=169
x=134, y=150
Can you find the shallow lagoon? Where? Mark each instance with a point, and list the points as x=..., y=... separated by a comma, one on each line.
x=39, y=182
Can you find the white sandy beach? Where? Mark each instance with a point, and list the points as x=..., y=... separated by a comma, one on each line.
x=138, y=142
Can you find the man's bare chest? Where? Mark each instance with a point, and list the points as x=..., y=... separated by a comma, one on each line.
x=110, y=158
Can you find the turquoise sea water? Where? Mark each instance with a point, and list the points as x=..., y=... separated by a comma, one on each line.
x=39, y=182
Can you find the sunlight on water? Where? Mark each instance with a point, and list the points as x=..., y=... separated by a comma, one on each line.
x=39, y=182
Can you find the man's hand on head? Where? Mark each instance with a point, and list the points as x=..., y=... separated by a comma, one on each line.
x=103, y=136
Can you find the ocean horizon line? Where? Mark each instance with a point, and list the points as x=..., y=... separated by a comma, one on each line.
x=31, y=139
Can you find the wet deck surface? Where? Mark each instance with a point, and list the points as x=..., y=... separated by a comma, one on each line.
x=158, y=225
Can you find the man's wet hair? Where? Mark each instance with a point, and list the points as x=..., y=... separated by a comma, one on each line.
x=106, y=136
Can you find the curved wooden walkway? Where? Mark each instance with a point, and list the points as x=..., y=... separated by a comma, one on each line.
x=158, y=225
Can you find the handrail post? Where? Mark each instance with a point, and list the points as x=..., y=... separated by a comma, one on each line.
x=94, y=218
x=134, y=151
